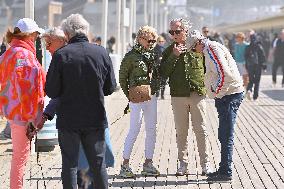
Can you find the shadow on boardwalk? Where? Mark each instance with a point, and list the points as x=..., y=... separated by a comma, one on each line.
x=275, y=94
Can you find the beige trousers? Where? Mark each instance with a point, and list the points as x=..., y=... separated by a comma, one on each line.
x=195, y=105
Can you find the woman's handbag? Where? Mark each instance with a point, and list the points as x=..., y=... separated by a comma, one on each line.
x=140, y=93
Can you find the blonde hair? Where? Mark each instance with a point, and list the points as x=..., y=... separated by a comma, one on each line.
x=144, y=30
x=240, y=35
x=15, y=34
x=161, y=38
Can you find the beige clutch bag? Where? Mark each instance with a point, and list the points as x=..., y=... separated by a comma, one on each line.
x=140, y=93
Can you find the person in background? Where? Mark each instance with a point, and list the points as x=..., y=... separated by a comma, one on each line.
x=21, y=76
x=217, y=37
x=239, y=55
x=132, y=43
x=110, y=45
x=98, y=41
x=159, y=48
x=185, y=71
x=278, y=51
x=255, y=59
x=3, y=46
x=206, y=33
x=81, y=74
x=224, y=84
x=167, y=38
x=139, y=68
x=39, y=50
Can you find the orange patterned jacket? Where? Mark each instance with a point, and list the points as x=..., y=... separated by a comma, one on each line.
x=22, y=81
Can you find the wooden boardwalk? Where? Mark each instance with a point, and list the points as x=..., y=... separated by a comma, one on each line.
x=258, y=153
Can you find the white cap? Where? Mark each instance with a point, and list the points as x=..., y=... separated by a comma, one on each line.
x=27, y=25
x=193, y=37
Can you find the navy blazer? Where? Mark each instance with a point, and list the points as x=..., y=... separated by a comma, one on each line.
x=80, y=74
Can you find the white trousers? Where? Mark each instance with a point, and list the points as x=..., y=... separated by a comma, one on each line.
x=137, y=110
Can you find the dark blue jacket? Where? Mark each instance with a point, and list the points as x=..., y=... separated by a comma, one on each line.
x=81, y=74
x=254, y=53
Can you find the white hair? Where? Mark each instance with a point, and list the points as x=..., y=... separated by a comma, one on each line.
x=75, y=24
x=54, y=31
x=185, y=24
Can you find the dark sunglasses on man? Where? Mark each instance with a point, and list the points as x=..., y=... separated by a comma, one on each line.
x=172, y=32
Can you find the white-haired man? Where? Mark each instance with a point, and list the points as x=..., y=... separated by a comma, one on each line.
x=186, y=78
x=81, y=74
x=224, y=84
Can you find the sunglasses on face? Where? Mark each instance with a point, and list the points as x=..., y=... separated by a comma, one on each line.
x=151, y=41
x=172, y=32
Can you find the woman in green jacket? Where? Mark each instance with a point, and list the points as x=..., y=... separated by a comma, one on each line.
x=138, y=68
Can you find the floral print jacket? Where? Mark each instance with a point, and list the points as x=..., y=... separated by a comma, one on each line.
x=22, y=81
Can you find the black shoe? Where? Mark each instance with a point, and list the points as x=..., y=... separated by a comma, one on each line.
x=219, y=178
x=211, y=174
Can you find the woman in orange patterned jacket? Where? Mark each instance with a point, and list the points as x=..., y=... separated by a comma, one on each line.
x=22, y=82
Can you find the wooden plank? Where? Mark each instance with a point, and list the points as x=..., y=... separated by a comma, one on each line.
x=273, y=156
x=253, y=166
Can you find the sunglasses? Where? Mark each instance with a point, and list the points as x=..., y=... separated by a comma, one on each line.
x=172, y=32
x=152, y=41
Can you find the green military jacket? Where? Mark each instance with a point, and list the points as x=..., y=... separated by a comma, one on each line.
x=185, y=72
x=134, y=71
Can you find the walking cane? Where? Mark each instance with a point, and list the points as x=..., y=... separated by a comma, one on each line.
x=31, y=132
x=37, y=161
x=126, y=110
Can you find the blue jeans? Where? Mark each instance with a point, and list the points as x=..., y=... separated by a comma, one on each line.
x=227, y=108
x=83, y=164
x=93, y=142
x=109, y=157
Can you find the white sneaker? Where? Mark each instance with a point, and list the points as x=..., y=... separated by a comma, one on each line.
x=206, y=169
x=248, y=95
x=182, y=170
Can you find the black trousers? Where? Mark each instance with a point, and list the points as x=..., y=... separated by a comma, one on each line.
x=254, y=72
x=93, y=142
x=275, y=66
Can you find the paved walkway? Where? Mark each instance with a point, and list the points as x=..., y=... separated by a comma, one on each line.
x=258, y=154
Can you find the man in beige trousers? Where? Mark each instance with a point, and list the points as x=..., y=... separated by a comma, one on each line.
x=185, y=70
